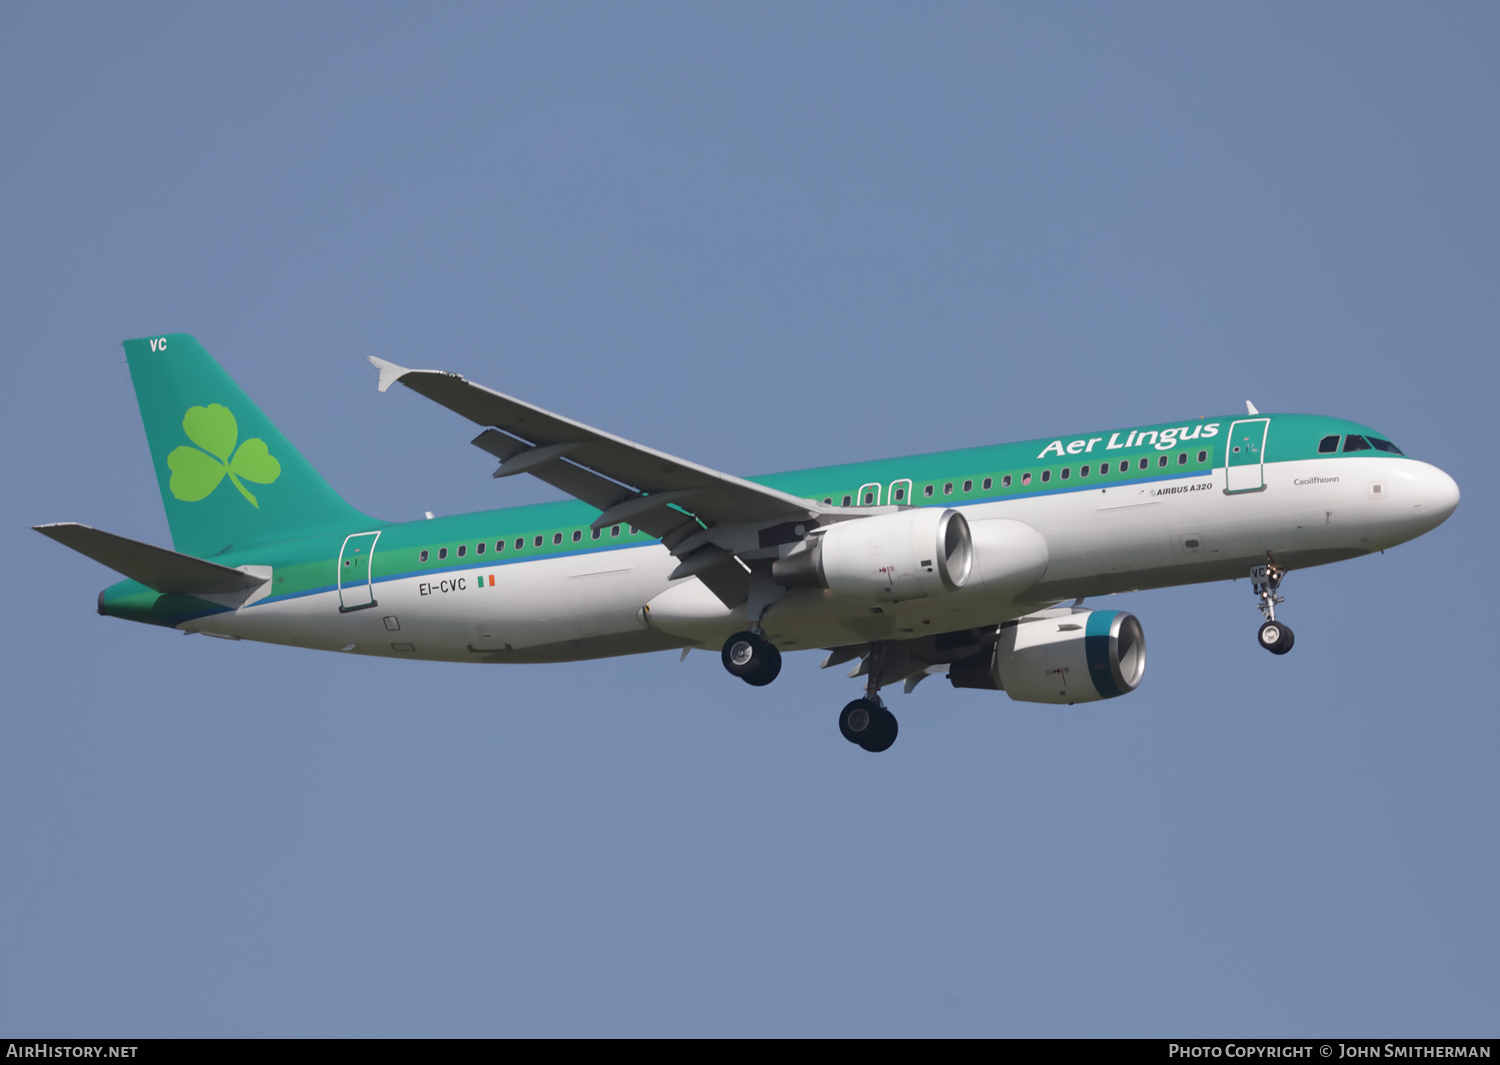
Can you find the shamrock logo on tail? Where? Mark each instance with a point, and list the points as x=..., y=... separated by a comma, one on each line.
x=195, y=474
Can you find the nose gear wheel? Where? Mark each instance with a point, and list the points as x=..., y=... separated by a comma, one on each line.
x=1274, y=636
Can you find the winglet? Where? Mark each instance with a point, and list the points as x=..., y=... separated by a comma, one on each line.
x=390, y=373
x=1249, y=407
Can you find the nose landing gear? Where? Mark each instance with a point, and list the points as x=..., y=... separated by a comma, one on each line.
x=1274, y=636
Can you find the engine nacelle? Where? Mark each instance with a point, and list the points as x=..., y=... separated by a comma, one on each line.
x=911, y=554
x=1009, y=557
x=1065, y=656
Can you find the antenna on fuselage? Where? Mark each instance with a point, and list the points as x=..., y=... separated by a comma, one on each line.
x=1250, y=408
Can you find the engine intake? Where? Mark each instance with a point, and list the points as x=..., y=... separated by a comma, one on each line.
x=911, y=554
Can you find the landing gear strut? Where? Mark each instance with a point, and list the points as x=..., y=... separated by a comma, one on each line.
x=866, y=722
x=752, y=658
x=1274, y=636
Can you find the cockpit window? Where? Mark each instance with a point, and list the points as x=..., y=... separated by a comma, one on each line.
x=1354, y=442
x=1386, y=445
x=1328, y=445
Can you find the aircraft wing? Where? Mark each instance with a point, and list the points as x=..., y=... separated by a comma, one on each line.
x=706, y=518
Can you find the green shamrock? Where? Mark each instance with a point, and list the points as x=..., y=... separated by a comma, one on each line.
x=195, y=474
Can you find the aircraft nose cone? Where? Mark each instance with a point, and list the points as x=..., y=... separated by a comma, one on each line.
x=1447, y=495
x=1437, y=497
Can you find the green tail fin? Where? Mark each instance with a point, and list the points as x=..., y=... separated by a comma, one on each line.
x=228, y=478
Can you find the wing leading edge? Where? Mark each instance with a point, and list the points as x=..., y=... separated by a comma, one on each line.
x=714, y=522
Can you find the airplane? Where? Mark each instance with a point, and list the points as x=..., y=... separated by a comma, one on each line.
x=974, y=563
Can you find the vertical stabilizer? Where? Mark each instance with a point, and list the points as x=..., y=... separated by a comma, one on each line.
x=228, y=477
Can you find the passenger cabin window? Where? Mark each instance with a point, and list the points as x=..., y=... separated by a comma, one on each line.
x=1145, y=463
x=1203, y=456
x=520, y=542
x=1328, y=445
x=499, y=545
x=988, y=483
x=556, y=538
x=927, y=491
x=848, y=500
x=1066, y=473
x=463, y=549
x=422, y=557
x=968, y=486
x=577, y=535
x=594, y=535
x=479, y=548
x=828, y=501
x=1162, y=461
x=1182, y=458
x=1103, y=468
x=1385, y=445
x=948, y=489
x=537, y=542
x=869, y=498
x=1046, y=476
x=1025, y=479
x=1083, y=471
x=1353, y=442
x=1005, y=481
x=900, y=495
x=442, y=553
x=614, y=530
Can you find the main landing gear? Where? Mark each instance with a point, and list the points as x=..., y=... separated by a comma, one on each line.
x=752, y=658
x=864, y=722
x=869, y=724
x=1274, y=636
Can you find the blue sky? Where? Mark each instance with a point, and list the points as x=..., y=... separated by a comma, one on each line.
x=760, y=237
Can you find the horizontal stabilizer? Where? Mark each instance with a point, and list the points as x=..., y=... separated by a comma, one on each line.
x=155, y=567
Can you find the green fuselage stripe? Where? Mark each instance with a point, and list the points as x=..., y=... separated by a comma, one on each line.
x=309, y=566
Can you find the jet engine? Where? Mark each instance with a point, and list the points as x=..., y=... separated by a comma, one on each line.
x=911, y=554
x=1060, y=656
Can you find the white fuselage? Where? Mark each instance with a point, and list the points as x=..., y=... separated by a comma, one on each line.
x=1097, y=541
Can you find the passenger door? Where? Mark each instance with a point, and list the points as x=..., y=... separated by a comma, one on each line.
x=355, y=576
x=1244, y=455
